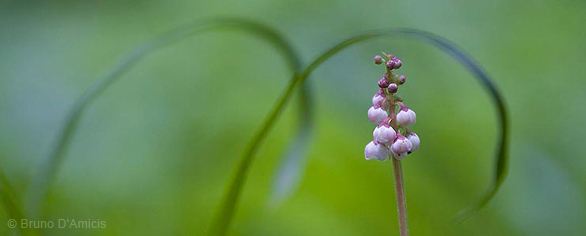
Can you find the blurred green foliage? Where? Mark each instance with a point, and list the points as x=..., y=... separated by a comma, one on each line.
x=154, y=154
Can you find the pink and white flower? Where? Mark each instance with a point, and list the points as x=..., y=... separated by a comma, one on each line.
x=406, y=116
x=376, y=151
x=414, y=139
x=377, y=100
x=384, y=134
x=401, y=146
x=377, y=115
x=388, y=142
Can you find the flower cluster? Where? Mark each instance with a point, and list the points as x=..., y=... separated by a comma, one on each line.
x=391, y=137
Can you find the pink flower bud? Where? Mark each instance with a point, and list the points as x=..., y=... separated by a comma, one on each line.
x=414, y=139
x=398, y=63
x=391, y=64
x=383, y=83
x=378, y=60
x=393, y=88
x=377, y=115
x=406, y=116
x=377, y=100
x=401, y=146
x=402, y=79
x=376, y=151
x=384, y=134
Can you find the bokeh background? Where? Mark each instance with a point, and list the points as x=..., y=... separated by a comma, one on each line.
x=153, y=156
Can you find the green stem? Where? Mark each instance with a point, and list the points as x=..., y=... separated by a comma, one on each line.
x=398, y=173
x=401, y=200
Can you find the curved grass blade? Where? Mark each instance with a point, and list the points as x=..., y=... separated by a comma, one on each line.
x=54, y=158
x=220, y=225
x=292, y=165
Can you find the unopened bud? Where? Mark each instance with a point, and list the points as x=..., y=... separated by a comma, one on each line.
x=383, y=83
x=378, y=60
x=391, y=64
x=402, y=79
x=398, y=63
x=393, y=88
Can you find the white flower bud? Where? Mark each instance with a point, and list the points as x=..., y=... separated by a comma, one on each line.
x=401, y=146
x=376, y=151
x=377, y=100
x=414, y=139
x=377, y=115
x=406, y=117
x=384, y=134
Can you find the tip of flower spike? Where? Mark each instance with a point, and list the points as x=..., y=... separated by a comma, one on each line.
x=394, y=62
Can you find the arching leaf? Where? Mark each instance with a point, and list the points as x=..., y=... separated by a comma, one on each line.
x=54, y=158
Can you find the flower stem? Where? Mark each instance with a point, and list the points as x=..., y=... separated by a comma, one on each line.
x=401, y=201
x=398, y=173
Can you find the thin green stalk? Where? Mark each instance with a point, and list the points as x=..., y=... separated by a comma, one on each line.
x=222, y=221
x=398, y=175
x=54, y=158
x=401, y=200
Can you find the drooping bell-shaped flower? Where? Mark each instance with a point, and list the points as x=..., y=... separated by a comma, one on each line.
x=401, y=146
x=406, y=116
x=377, y=115
x=384, y=134
x=376, y=151
x=378, y=99
x=414, y=139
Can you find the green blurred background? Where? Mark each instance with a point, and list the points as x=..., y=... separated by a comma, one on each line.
x=153, y=156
